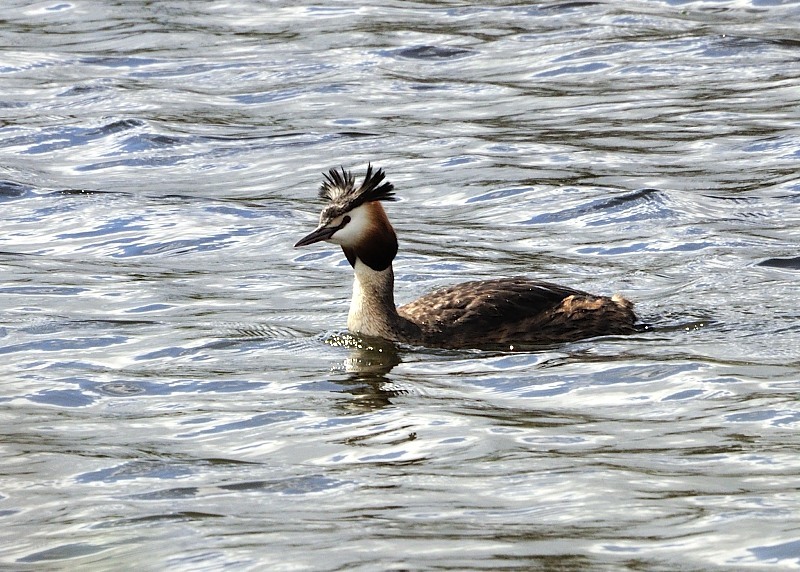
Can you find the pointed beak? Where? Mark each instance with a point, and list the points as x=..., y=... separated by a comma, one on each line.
x=318, y=235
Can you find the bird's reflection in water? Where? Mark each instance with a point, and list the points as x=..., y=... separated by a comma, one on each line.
x=368, y=363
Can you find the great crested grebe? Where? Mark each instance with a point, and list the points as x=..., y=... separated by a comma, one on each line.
x=485, y=313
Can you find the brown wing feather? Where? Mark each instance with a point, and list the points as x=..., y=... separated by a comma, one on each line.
x=515, y=310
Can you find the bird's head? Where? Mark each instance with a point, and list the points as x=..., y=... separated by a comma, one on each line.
x=354, y=219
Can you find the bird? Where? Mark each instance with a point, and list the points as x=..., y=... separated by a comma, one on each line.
x=497, y=313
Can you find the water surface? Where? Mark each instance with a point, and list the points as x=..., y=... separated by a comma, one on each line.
x=178, y=389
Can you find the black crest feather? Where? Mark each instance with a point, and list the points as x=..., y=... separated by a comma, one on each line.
x=339, y=187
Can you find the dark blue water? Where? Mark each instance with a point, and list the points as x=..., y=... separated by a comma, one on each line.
x=177, y=390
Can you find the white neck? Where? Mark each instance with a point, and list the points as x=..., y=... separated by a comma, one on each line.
x=372, y=309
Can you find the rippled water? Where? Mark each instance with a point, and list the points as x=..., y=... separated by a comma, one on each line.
x=177, y=390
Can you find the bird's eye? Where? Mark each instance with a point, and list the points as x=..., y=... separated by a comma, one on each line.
x=345, y=220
